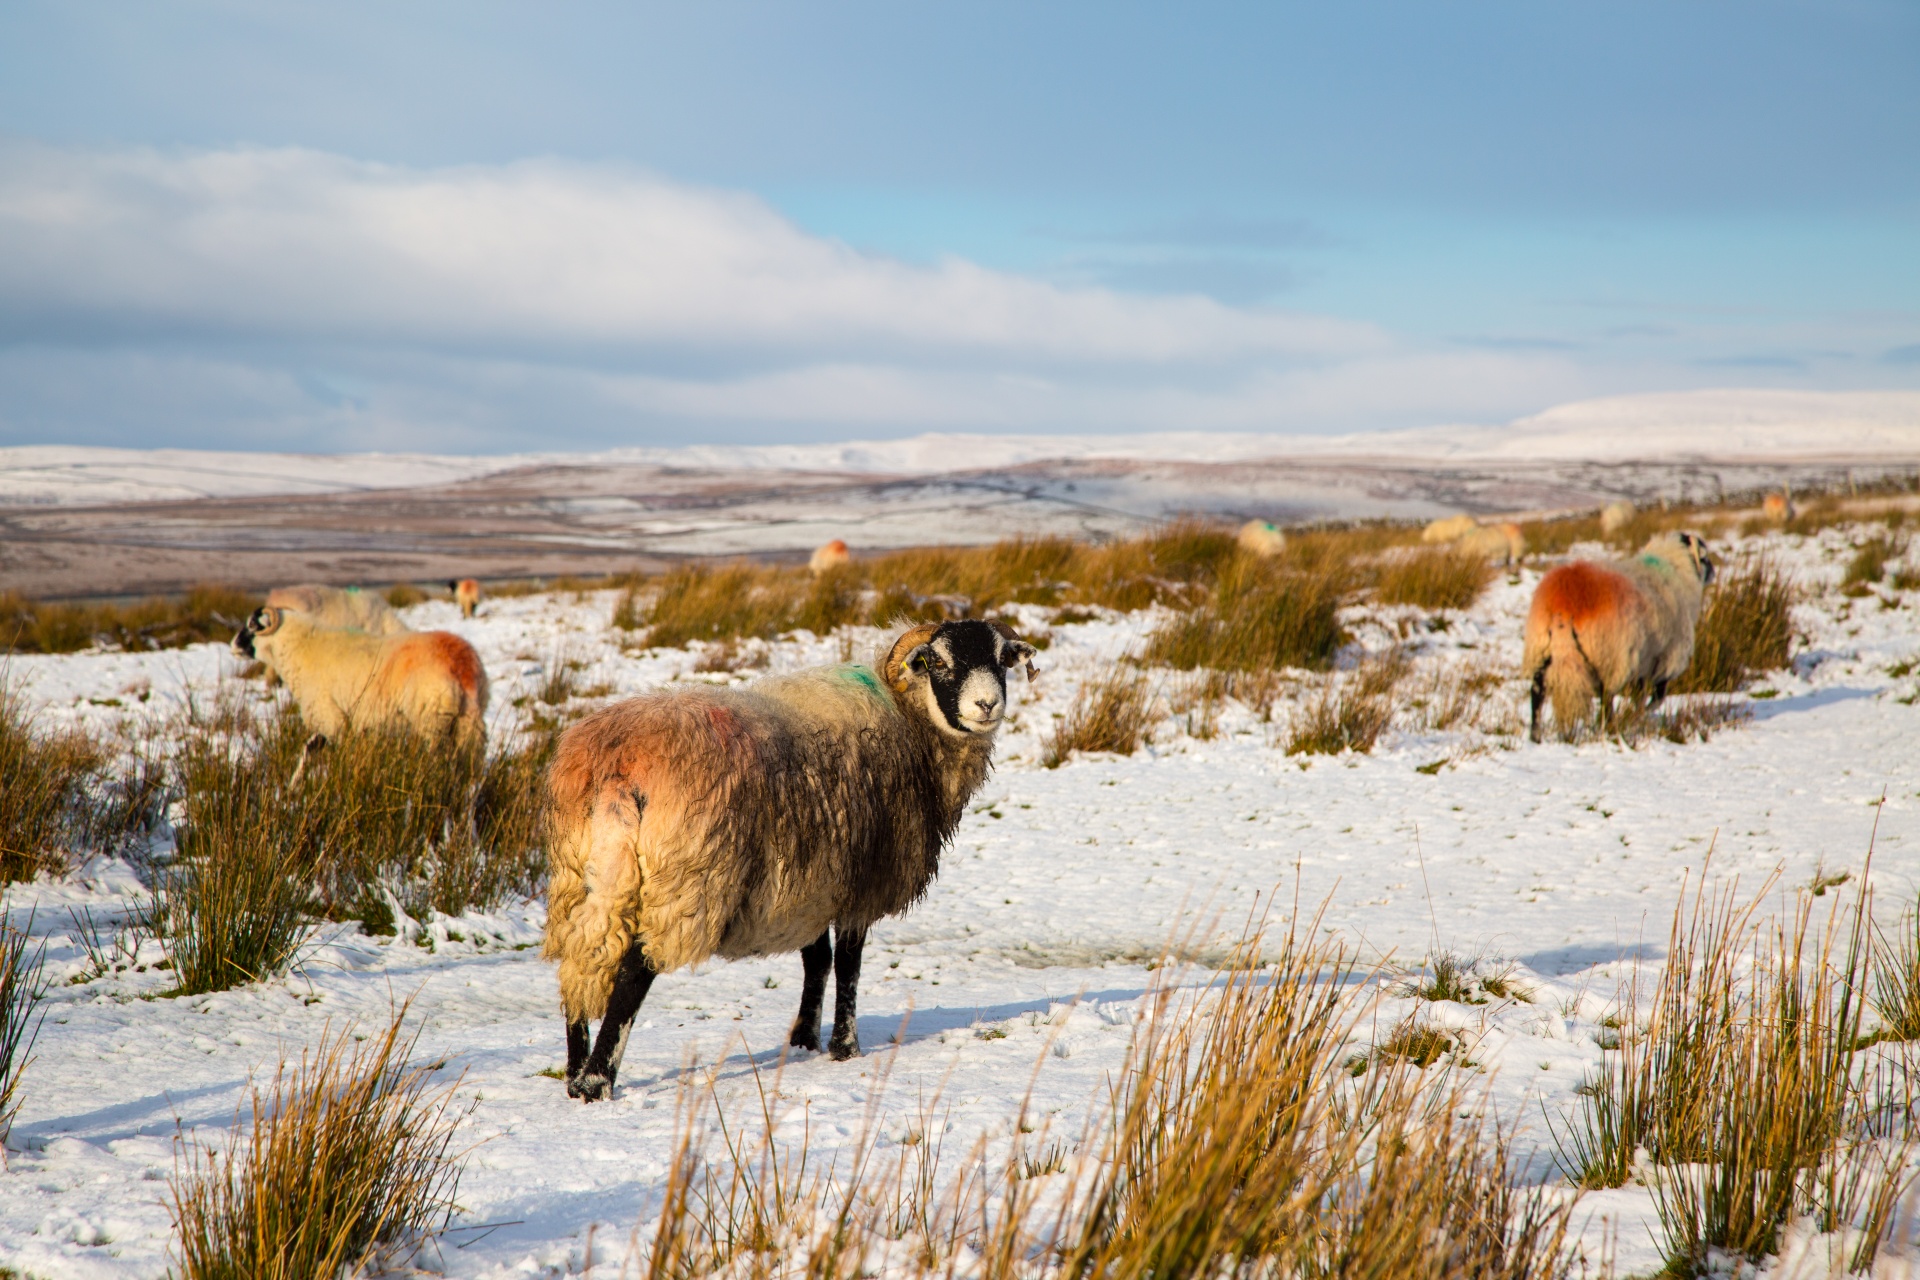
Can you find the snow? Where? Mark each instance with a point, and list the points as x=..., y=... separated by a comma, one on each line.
x=1739, y=424
x=1062, y=887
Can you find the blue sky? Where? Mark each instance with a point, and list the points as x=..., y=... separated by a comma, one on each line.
x=482, y=227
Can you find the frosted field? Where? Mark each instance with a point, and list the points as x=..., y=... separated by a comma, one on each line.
x=1562, y=863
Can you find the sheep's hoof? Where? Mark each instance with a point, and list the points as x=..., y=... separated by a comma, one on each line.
x=590, y=1086
x=805, y=1038
x=840, y=1050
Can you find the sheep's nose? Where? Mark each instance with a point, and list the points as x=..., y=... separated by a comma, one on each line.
x=988, y=706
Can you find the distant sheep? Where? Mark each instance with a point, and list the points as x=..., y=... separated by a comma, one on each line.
x=430, y=681
x=831, y=556
x=345, y=607
x=1597, y=630
x=466, y=594
x=790, y=815
x=1450, y=529
x=1777, y=507
x=1502, y=543
x=1615, y=516
x=1261, y=538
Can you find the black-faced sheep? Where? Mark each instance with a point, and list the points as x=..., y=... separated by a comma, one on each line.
x=430, y=681
x=1595, y=630
x=788, y=816
x=466, y=594
x=348, y=608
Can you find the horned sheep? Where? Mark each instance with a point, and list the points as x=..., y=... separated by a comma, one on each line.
x=430, y=681
x=348, y=608
x=790, y=815
x=1597, y=630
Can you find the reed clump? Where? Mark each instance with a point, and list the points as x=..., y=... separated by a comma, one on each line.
x=1349, y=714
x=1114, y=713
x=346, y=1163
x=1261, y=617
x=46, y=786
x=210, y=612
x=1741, y=1086
x=1746, y=628
x=1442, y=578
x=22, y=986
x=274, y=833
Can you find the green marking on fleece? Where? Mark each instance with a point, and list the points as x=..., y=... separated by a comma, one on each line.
x=853, y=673
x=1655, y=562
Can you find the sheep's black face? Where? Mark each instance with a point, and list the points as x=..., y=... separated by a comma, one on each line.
x=965, y=666
x=263, y=621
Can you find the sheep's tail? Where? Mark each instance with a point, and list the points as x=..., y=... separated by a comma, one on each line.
x=1572, y=681
x=593, y=904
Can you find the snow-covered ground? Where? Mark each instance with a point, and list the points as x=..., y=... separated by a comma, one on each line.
x=1733, y=425
x=1563, y=863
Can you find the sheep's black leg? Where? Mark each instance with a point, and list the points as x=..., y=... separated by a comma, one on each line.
x=847, y=944
x=577, y=1040
x=1539, y=696
x=595, y=1080
x=1659, y=693
x=817, y=959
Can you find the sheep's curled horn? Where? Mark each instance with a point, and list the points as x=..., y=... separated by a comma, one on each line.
x=1026, y=659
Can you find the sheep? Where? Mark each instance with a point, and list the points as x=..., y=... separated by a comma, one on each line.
x=1449, y=529
x=1260, y=538
x=830, y=556
x=790, y=815
x=466, y=594
x=430, y=681
x=1503, y=543
x=1777, y=508
x=1614, y=516
x=349, y=608
x=1595, y=630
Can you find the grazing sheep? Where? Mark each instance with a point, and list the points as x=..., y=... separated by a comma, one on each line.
x=790, y=815
x=1777, y=507
x=1614, y=516
x=831, y=556
x=1261, y=538
x=466, y=594
x=1596, y=630
x=1450, y=529
x=1502, y=543
x=431, y=681
x=348, y=608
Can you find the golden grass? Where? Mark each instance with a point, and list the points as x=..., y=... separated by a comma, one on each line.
x=1433, y=579
x=1745, y=628
x=46, y=780
x=22, y=984
x=1113, y=714
x=1896, y=977
x=1350, y=714
x=347, y=1163
x=205, y=613
x=1262, y=616
x=1869, y=563
x=403, y=595
x=1235, y=1144
x=1742, y=1086
x=268, y=840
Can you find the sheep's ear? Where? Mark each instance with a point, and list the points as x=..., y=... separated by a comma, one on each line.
x=918, y=659
x=1019, y=653
x=265, y=620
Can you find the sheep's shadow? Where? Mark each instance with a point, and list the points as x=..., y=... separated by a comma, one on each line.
x=1578, y=957
x=1795, y=704
x=155, y=1115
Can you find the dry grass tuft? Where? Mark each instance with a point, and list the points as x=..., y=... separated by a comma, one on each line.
x=1351, y=714
x=1743, y=1087
x=46, y=783
x=1869, y=563
x=402, y=595
x=1113, y=714
x=1263, y=616
x=1433, y=579
x=204, y=613
x=22, y=984
x=1745, y=629
x=346, y=1165
x=266, y=842
x=1896, y=977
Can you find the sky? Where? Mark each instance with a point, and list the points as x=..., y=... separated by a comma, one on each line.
x=477, y=227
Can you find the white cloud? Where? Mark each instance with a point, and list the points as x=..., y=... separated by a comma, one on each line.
x=286, y=298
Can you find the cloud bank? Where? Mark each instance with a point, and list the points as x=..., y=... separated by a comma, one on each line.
x=295, y=299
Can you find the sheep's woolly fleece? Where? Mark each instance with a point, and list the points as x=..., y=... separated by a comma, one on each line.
x=1564, y=862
